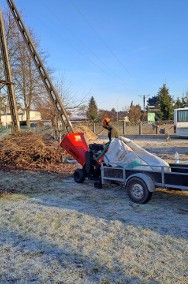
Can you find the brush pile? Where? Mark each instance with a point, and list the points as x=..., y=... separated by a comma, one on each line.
x=34, y=151
x=29, y=150
x=89, y=135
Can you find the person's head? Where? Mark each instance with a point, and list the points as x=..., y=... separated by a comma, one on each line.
x=106, y=122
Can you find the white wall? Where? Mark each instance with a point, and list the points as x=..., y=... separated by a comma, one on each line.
x=34, y=116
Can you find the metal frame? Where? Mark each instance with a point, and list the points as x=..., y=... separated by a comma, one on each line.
x=177, y=173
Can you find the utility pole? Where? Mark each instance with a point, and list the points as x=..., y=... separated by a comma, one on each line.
x=144, y=100
x=117, y=111
x=8, y=78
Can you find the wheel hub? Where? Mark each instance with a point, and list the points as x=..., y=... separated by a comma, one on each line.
x=138, y=190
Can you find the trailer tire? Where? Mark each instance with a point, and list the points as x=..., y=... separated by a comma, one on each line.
x=138, y=191
x=79, y=175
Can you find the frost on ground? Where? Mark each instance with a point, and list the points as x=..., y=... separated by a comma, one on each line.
x=55, y=231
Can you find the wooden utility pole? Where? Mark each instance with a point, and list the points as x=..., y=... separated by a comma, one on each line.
x=8, y=78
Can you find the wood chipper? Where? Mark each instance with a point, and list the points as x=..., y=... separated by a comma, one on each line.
x=88, y=156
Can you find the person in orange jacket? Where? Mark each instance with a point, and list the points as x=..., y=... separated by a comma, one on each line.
x=113, y=132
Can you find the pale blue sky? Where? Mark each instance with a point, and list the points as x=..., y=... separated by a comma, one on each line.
x=114, y=50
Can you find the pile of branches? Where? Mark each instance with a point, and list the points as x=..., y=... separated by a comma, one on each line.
x=89, y=135
x=29, y=150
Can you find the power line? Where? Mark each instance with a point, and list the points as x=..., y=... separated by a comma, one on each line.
x=105, y=68
x=104, y=42
x=101, y=39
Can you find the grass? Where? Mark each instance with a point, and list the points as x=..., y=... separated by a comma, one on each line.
x=67, y=233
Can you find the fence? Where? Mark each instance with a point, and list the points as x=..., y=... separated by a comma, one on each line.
x=125, y=128
x=4, y=131
x=128, y=128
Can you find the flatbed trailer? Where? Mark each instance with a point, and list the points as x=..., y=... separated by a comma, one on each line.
x=141, y=183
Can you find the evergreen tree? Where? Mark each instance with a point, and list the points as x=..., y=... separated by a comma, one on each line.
x=178, y=103
x=153, y=101
x=92, y=112
x=165, y=104
x=181, y=102
x=184, y=101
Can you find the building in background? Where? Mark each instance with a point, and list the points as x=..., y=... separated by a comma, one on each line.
x=6, y=120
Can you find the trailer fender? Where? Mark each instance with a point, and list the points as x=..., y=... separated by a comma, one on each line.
x=147, y=179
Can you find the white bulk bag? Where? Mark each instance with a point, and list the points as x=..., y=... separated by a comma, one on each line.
x=124, y=152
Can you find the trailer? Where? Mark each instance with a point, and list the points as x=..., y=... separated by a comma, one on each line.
x=140, y=184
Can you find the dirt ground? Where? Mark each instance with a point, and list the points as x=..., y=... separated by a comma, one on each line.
x=55, y=231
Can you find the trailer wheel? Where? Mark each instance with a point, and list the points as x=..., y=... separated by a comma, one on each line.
x=138, y=191
x=79, y=175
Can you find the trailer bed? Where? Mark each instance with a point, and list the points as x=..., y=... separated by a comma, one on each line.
x=176, y=178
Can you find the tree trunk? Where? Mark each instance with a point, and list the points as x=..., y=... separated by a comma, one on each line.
x=0, y=110
x=28, y=122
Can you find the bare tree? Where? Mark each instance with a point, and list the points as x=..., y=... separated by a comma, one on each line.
x=29, y=88
x=28, y=85
x=134, y=113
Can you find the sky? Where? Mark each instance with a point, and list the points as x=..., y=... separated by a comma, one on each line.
x=117, y=51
